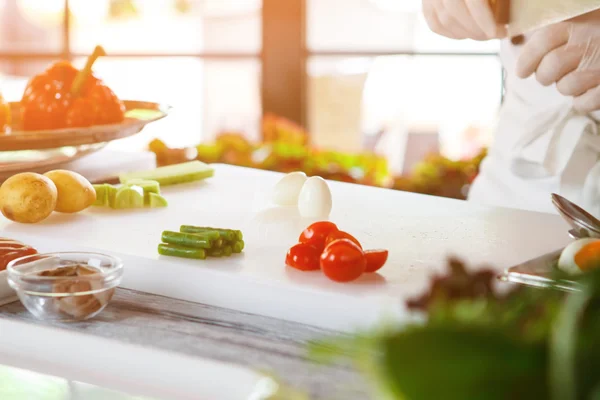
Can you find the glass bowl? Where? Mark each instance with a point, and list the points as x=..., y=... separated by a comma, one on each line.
x=65, y=286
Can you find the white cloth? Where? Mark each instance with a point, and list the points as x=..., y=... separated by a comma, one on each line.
x=541, y=146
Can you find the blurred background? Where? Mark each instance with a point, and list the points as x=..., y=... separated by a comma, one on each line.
x=355, y=75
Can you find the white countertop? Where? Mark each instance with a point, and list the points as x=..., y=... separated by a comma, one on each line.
x=419, y=231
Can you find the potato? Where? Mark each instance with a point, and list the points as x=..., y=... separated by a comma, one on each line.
x=28, y=198
x=75, y=193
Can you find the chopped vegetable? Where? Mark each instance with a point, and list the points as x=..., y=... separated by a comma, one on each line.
x=226, y=234
x=343, y=261
x=238, y=246
x=172, y=174
x=188, y=240
x=204, y=231
x=111, y=194
x=129, y=197
x=376, y=259
x=336, y=235
x=215, y=242
x=304, y=257
x=337, y=253
x=11, y=250
x=106, y=195
x=148, y=186
x=101, y=195
x=317, y=233
x=180, y=251
x=156, y=200
x=216, y=252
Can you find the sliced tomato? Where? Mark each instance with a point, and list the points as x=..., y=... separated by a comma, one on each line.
x=9, y=240
x=343, y=261
x=317, y=233
x=376, y=259
x=10, y=250
x=4, y=246
x=304, y=257
x=333, y=236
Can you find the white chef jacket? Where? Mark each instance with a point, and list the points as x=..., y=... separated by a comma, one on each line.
x=541, y=146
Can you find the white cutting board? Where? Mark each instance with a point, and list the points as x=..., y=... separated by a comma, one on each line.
x=420, y=232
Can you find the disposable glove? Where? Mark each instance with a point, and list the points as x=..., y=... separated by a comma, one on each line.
x=463, y=19
x=567, y=54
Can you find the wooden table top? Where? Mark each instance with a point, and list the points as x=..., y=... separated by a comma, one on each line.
x=263, y=344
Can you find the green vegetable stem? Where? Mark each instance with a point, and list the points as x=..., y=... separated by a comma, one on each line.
x=179, y=251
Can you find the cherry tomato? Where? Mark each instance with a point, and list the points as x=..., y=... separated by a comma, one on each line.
x=343, y=261
x=304, y=257
x=333, y=236
x=375, y=259
x=317, y=233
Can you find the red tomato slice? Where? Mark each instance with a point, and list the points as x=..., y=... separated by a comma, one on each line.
x=333, y=236
x=4, y=246
x=317, y=233
x=343, y=261
x=375, y=259
x=7, y=254
x=304, y=257
x=9, y=240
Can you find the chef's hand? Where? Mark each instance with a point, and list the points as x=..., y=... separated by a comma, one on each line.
x=568, y=55
x=462, y=19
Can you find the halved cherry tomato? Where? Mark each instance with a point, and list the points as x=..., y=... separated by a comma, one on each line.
x=375, y=259
x=333, y=236
x=343, y=261
x=317, y=233
x=11, y=250
x=304, y=257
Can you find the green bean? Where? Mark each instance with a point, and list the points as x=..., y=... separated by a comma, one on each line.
x=206, y=232
x=238, y=246
x=225, y=234
x=216, y=252
x=196, y=241
x=179, y=251
x=227, y=251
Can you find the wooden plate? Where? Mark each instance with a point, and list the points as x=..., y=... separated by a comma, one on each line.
x=138, y=115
